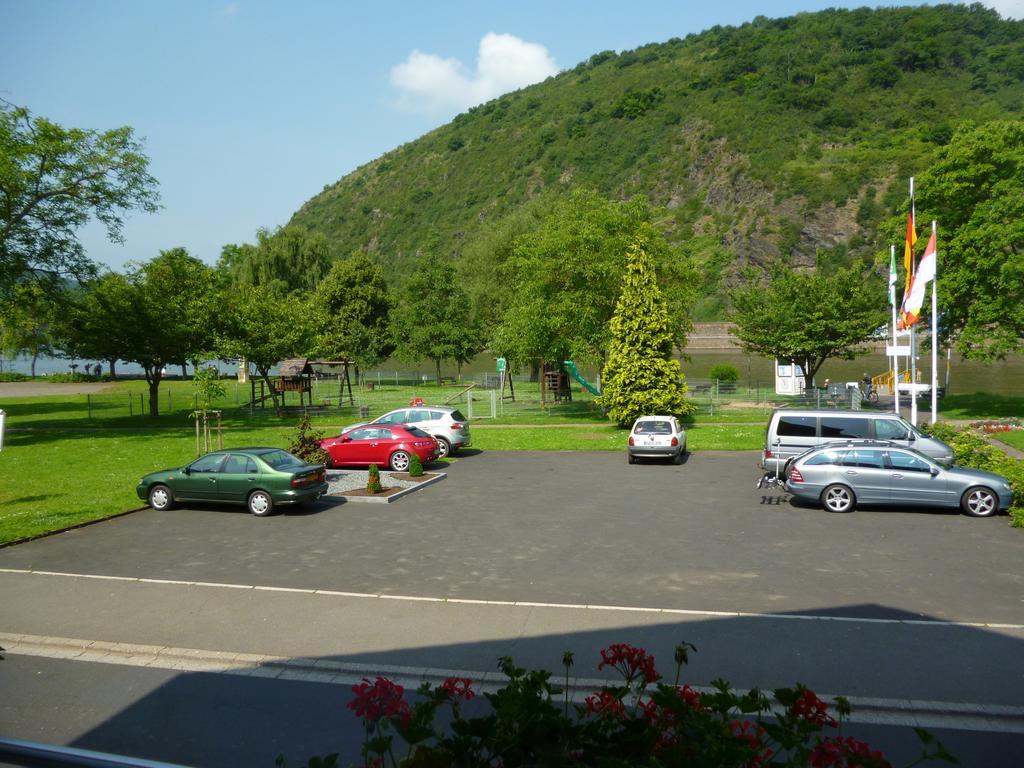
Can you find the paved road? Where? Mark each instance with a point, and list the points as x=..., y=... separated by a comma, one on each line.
x=533, y=554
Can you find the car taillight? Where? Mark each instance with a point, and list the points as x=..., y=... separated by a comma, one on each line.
x=795, y=476
x=631, y=440
x=675, y=441
x=767, y=454
x=456, y=426
x=297, y=481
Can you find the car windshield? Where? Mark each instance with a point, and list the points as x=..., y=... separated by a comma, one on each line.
x=653, y=428
x=281, y=459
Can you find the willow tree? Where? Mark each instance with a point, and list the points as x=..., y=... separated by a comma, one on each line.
x=641, y=376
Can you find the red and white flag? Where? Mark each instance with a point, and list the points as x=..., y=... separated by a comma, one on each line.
x=924, y=274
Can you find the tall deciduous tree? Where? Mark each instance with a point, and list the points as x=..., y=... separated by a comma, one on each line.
x=169, y=315
x=432, y=319
x=641, y=376
x=564, y=279
x=265, y=328
x=52, y=181
x=287, y=259
x=26, y=321
x=95, y=318
x=352, y=307
x=976, y=192
x=807, y=316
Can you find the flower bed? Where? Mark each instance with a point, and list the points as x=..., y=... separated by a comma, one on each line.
x=640, y=721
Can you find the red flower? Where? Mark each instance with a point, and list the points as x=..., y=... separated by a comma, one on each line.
x=810, y=708
x=630, y=661
x=753, y=735
x=605, y=704
x=846, y=752
x=381, y=698
x=458, y=688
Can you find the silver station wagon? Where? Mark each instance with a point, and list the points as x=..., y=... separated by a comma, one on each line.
x=841, y=475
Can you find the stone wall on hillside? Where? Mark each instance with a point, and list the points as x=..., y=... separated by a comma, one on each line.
x=712, y=336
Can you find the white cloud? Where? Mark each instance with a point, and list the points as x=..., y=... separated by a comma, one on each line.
x=427, y=82
x=1008, y=9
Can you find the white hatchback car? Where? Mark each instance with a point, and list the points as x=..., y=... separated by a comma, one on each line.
x=657, y=437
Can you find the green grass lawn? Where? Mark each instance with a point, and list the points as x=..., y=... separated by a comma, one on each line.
x=1015, y=438
x=981, y=406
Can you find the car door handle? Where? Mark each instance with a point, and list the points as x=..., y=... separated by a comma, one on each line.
x=898, y=476
x=850, y=472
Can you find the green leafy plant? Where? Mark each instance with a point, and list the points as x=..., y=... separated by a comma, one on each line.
x=724, y=372
x=373, y=480
x=415, y=465
x=971, y=449
x=305, y=443
x=641, y=720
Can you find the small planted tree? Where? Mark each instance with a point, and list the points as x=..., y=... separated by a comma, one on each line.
x=207, y=388
x=641, y=377
x=373, y=480
x=415, y=466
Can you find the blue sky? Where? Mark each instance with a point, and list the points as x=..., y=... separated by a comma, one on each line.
x=250, y=108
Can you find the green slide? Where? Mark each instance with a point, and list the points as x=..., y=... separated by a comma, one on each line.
x=570, y=368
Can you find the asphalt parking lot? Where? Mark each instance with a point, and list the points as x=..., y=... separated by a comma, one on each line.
x=525, y=554
x=581, y=528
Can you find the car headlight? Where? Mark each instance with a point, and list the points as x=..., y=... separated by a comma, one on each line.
x=1006, y=485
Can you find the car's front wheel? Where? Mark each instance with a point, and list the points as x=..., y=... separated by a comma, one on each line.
x=979, y=502
x=444, y=448
x=838, y=498
x=161, y=498
x=399, y=461
x=260, y=503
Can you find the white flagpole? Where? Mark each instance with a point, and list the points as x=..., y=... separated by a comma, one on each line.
x=895, y=339
x=935, y=331
x=913, y=375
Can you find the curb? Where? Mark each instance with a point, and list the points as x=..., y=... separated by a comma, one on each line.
x=436, y=478
x=996, y=718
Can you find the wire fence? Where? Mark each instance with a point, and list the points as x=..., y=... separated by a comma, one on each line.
x=478, y=397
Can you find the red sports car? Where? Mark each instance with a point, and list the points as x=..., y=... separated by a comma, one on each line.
x=390, y=445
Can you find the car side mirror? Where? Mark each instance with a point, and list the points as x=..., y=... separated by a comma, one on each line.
x=911, y=437
x=934, y=472
x=188, y=470
x=346, y=439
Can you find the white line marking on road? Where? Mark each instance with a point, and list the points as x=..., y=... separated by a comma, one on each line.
x=530, y=604
x=969, y=716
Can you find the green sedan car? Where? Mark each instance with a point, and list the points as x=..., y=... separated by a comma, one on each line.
x=260, y=478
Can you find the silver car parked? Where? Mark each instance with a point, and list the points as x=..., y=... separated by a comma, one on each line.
x=447, y=425
x=841, y=475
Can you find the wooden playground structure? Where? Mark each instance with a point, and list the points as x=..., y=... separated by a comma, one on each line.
x=297, y=375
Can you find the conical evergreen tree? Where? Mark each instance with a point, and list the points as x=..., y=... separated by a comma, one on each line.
x=641, y=378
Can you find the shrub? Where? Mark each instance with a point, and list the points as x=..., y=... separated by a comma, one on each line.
x=971, y=449
x=13, y=376
x=306, y=443
x=373, y=480
x=415, y=465
x=640, y=721
x=724, y=372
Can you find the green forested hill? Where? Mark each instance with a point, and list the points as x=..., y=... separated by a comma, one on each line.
x=783, y=137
